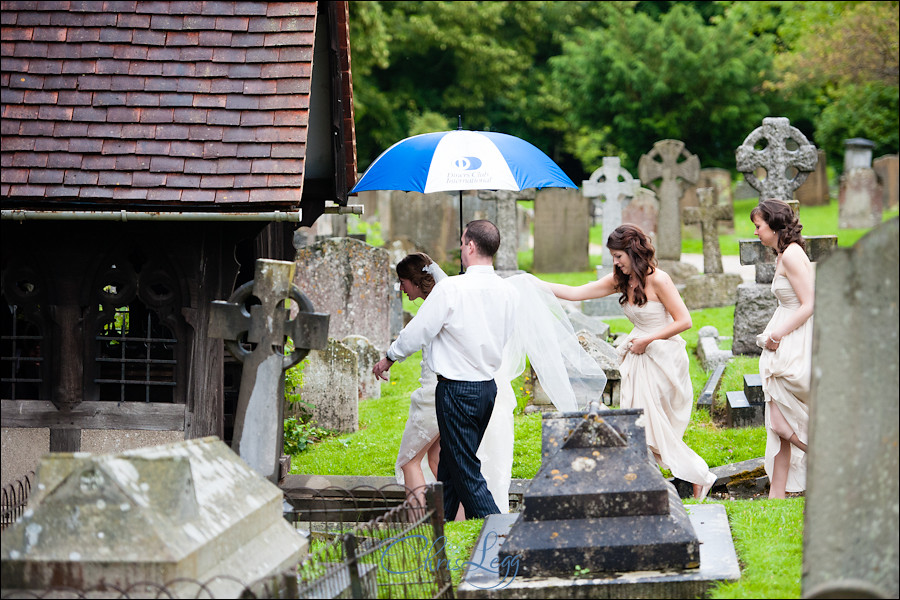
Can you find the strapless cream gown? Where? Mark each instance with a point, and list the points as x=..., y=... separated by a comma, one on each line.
x=785, y=375
x=659, y=382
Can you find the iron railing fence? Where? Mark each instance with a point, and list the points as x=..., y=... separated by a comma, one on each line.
x=13, y=499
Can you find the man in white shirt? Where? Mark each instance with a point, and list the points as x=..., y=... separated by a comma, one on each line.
x=467, y=320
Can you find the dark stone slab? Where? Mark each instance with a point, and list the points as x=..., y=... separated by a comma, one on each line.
x=487, y=577
x=740, y=413
x=753, y=389
x=627, y=543
x=708, y=393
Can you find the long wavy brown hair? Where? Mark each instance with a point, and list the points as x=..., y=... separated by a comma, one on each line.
x=634, y=242
x=782, y=220
x=410, y=268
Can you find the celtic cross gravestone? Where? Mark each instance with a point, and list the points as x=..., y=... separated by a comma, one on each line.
x=783, y=152
x=255, y=334
x=674, y=167
x=616, y=186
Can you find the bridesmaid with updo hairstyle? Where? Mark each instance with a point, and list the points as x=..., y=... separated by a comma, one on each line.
x=785, y=364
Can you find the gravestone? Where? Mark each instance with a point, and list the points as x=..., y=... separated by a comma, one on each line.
x=785, y=154
x=707, y=215
x=860, y=195
x=887, y=168
x=429, y=221
x=850, y=543
x=506, y=261
x=561, y=231
x=720, y=181
x=351, y=280
x=367, y=355
x=756, y=303
x=708, y=351
x=331, y=385
x=643, y=211
x=255, y=334
x=747, y=407
x=708, y=394
x=599, y=521
x=670, y=164
x=714, y=287
x=616, y=187
x=173, y=516
x=814, y=191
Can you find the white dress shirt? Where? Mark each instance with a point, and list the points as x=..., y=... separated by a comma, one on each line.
x=467, y=319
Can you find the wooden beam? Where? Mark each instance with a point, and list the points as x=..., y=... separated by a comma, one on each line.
x=93, y=415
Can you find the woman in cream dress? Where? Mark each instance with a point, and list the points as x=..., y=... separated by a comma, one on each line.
x=655, y=367
x=785, y=364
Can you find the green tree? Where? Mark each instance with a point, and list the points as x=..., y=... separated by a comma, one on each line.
x=677, y=77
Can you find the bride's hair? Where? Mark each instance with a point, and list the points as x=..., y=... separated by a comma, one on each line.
x=411, y=268
x=634, y=242
x=782, y=220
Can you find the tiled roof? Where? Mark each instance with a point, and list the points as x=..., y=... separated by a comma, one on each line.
x=164, y=104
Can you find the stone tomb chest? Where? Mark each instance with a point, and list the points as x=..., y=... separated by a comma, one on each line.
x=175, y=516
x=599, y=503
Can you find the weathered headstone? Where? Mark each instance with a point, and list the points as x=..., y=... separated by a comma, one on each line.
x=674, y=168
x=599, y=520
x=814, y=191
x=561, y=231
x=331, y=385
x=785, y=154
x=850, y=543
x=616, y=187
x=643, y=211
x=720, y=181
x=429, y=221
x=887, y=168
x=255, y=334
x=506, y=261
x=351, y=280
x=860, y=195
x=708, y=214
x=367, y=355
x=171, y=517
x=708, y=351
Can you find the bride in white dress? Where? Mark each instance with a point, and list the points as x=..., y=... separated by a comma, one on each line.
x=543, y=335
x=655, y=366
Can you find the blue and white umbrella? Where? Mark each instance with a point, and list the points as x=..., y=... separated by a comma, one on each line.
x=462, y=160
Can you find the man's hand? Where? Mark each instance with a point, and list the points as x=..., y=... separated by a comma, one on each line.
x=381, y=367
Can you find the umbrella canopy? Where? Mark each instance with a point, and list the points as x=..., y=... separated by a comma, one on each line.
x=462, y=160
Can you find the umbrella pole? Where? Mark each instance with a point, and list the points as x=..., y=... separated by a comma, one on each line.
x=460, y=232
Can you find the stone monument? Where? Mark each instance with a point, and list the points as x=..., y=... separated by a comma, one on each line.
x=850, y=544
x=617, y=187
x=783, y=152
x=860, y=193
x=675, y=168
x=255, y=334
x=173, y=517
x=600, y=516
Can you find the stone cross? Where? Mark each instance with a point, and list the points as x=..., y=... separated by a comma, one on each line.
x=708, y=214
x=507, y=257
x=662, y=162
x=617, y=187
x=781, y=150
x=255, y=335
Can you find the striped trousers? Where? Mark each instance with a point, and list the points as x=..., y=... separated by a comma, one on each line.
x=463, y=411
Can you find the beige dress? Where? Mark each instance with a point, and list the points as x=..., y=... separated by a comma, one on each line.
x=785, y=375
x=659, y=382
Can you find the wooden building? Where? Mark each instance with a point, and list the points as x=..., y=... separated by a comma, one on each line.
x=151, y=152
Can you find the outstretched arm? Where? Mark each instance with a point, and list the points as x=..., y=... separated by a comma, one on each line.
x=595, y=289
